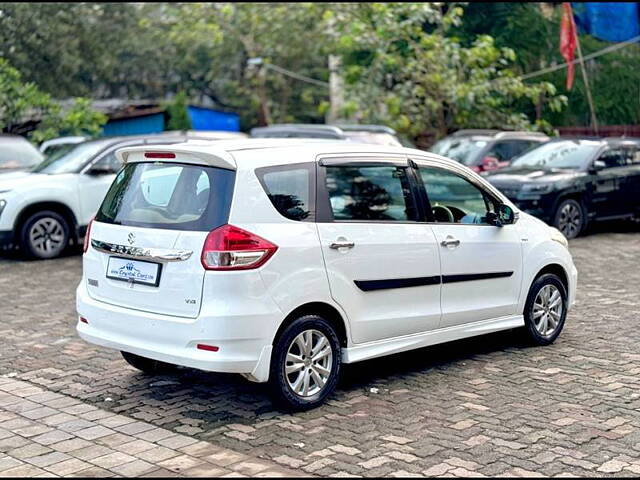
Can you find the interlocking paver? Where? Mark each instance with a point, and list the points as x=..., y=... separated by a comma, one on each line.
x=493, y=404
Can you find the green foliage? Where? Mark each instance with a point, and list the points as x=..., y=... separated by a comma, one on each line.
x=20, y=100
x=79, y=119
x=178, y=114
x=421, y=80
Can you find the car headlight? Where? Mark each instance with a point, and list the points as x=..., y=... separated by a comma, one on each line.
x=537, y=187
x=557, y=236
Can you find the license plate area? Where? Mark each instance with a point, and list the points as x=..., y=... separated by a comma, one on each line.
x=134, y=271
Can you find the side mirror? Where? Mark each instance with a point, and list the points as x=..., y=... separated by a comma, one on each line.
x=504, y=216
x=596, y=166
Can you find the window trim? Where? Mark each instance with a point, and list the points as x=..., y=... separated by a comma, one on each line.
x=324, y=212
x=311, y=169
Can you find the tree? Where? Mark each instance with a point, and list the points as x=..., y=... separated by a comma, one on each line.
x=178, y=114
x=20, y=101
x=424, y=81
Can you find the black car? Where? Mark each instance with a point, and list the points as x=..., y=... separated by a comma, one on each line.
x=569, y=182
x=486, y=150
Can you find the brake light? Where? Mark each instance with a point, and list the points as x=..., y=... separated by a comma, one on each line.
x=87, y=237
x=159, y=155
x=232, y=248
x=210, y=348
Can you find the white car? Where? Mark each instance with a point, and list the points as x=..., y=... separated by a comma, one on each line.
x=42, y=209
x=282, y=259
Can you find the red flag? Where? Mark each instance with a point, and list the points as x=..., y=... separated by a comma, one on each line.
x=568, y=40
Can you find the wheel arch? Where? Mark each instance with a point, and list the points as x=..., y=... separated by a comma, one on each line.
x=58, y=207
x=323, y=309
x=556, y=269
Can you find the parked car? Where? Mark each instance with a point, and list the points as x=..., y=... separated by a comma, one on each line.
x=49, y=147
x=211, y=134
x=280, y=260
x=376, y=134
x=487, y=150
x=571, y=182
x=41, y=210
x=17, y=153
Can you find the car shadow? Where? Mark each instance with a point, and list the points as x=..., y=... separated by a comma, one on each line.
x=217, y=399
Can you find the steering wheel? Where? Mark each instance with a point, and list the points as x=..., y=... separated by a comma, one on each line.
x=440, y=211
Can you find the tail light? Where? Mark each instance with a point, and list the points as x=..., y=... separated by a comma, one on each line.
x=87, y=237
x=232, y=248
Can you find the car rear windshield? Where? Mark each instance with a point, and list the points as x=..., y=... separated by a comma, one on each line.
x=170, y=196
x=16, y=152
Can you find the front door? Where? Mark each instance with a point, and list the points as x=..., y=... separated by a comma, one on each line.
x=612, y=181
x=382, y=264
x=481, y=264
x=94, y=184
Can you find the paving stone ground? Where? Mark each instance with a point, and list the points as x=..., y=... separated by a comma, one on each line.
x=485, y=406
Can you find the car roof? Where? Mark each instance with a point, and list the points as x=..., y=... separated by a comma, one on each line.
x=299, y=128
x=281, y=151
x=354, y=127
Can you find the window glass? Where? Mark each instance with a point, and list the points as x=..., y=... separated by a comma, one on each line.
x=16, y=152
x=377, y=193
x=453, y=198
x=288, y=189
x=72, y=161
x=616, y=157
x=569, y=154
x=108, y=163
x=506, y=150
x=166, y=195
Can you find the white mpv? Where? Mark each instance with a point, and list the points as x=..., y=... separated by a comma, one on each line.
x=283, y=259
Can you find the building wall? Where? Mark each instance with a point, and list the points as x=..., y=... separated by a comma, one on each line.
x=135, y=126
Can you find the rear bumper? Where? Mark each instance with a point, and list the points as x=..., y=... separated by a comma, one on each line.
x=244, y=344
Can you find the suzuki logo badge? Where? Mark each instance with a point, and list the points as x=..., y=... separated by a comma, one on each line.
x=131, y=238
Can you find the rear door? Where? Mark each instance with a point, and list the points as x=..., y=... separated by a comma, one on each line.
x=149, y=232
x=382, y=263
x=610, y=182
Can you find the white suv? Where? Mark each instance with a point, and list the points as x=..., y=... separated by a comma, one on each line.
x=282, y=259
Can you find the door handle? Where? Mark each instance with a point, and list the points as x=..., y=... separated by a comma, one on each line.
x=341, y=244
x=450, y=242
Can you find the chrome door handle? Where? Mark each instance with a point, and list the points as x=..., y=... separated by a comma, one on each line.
x=450, y=242
x=341, y=244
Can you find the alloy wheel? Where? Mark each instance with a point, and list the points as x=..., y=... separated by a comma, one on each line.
x=47, y=236
x=570, y=220
x=308, y=363
x=547, y=310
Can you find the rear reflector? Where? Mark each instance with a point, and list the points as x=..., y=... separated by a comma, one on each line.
x=232, y=248
x=159, y=155
x=84, y=320
x=211, y=348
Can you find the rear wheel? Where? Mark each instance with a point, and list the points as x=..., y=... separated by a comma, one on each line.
x=44, y=235
x=570, y=218
x=305, y=364
x=545, y=310
x=146, y=365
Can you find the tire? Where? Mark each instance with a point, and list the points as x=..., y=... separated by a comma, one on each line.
x=570, y=218
x=44, y=235
x=291, y=341
x=147, y=365
x=536, y=330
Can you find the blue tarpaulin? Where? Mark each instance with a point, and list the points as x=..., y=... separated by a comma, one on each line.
x=135, y=126
x=613, y=22
x=208, y=119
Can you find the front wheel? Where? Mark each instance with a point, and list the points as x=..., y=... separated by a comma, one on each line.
x=44, y=235
x=570, y=218
x=545, y=310
x=305, y=364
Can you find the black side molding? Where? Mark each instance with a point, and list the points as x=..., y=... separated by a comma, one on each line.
x=369, y=285
x=474, y=276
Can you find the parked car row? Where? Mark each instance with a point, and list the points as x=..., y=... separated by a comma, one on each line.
x=280, y=260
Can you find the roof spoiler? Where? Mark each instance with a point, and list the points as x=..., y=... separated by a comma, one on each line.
x=191, y=154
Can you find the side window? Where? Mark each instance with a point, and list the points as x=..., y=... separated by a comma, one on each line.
x=506, y=150
x=615, y=157
x=290, y=189
x=108, y=163
x=454, y=199
x=374, y=193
